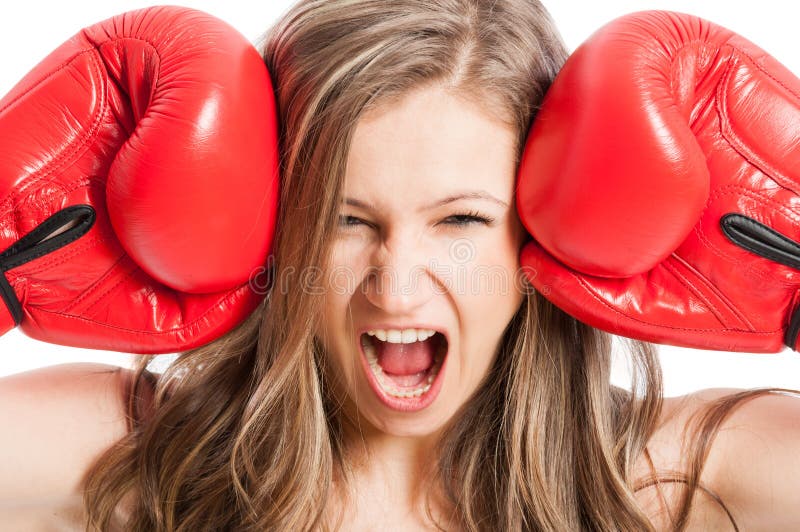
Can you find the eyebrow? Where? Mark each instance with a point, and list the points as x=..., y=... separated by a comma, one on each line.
x=472, y=194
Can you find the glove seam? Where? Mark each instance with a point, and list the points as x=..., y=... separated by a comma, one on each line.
x=69, y=154
x=698, y=294
x=92, y=290
x=729, y=189
x=46, y=204
x=661, y=326
x=730, y=220
x=9, y=297
x=735, y=141
x=41, y=80
x=215, y=308
x=101, y=296
x=709, y=287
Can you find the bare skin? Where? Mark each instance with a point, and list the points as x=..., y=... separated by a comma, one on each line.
x=429, y=145
x=56, y=420
x=429, y=204
x=67, y=415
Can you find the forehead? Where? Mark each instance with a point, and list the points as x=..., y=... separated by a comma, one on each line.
x=430, y=142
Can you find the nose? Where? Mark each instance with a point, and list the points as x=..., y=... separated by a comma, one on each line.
x=399, y=279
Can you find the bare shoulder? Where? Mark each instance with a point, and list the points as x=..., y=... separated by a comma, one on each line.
x=55, y=421
x=753, y=463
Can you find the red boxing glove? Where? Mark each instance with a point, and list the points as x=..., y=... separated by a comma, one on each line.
x=145, y=148
x=660, y=182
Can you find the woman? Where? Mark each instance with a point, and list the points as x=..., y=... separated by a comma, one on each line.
x=321, y=411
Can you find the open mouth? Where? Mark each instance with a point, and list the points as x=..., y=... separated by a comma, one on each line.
x=405, y=371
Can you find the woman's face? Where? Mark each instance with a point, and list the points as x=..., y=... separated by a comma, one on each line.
x=408, y=255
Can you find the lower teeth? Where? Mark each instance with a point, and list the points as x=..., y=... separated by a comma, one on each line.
x=386, y=385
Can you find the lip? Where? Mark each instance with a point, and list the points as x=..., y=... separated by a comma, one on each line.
x=404, y=404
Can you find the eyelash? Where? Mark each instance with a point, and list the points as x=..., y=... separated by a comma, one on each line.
x=465, y=219
x=470, y=217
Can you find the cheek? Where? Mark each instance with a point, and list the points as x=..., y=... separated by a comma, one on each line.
x=349, y=263
x=495, y=293
x=494, y=274
x=333, y=350
x=488, y=308
x=333, y=317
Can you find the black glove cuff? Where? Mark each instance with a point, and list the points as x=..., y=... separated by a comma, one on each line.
x=766, y=242
x=77, y=219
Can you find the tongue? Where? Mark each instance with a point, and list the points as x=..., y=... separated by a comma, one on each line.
x=405, y=359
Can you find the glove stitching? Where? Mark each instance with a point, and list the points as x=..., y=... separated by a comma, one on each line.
x=100, y=297
x=65, y=155
x=791, y=325
x=688, y=284
x=42, y=266
x=736, y=188
x=737, y=143
x=47, y=200
x=231, y=295
x=43, y=79
x=44, y=203
x=587, y=288
x=785, y=211
x=11, y=264
x=775, y=257
x=708, y=287
x=721, y=297
x=768, y=74
x=56, y=164
x=92, y=289
x=85, y=244
x=11, y=304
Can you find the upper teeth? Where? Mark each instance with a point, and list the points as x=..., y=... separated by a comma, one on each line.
x=405, y=336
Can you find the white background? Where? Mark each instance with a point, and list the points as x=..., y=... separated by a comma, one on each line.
x=30, y=29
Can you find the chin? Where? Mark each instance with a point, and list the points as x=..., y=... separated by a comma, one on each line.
x=409, y=428
x=402, y=424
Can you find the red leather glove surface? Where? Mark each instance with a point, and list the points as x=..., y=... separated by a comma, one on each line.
x=149, y=143
x=660, y=183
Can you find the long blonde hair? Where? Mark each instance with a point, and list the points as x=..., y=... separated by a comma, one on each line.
x=244, y=434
